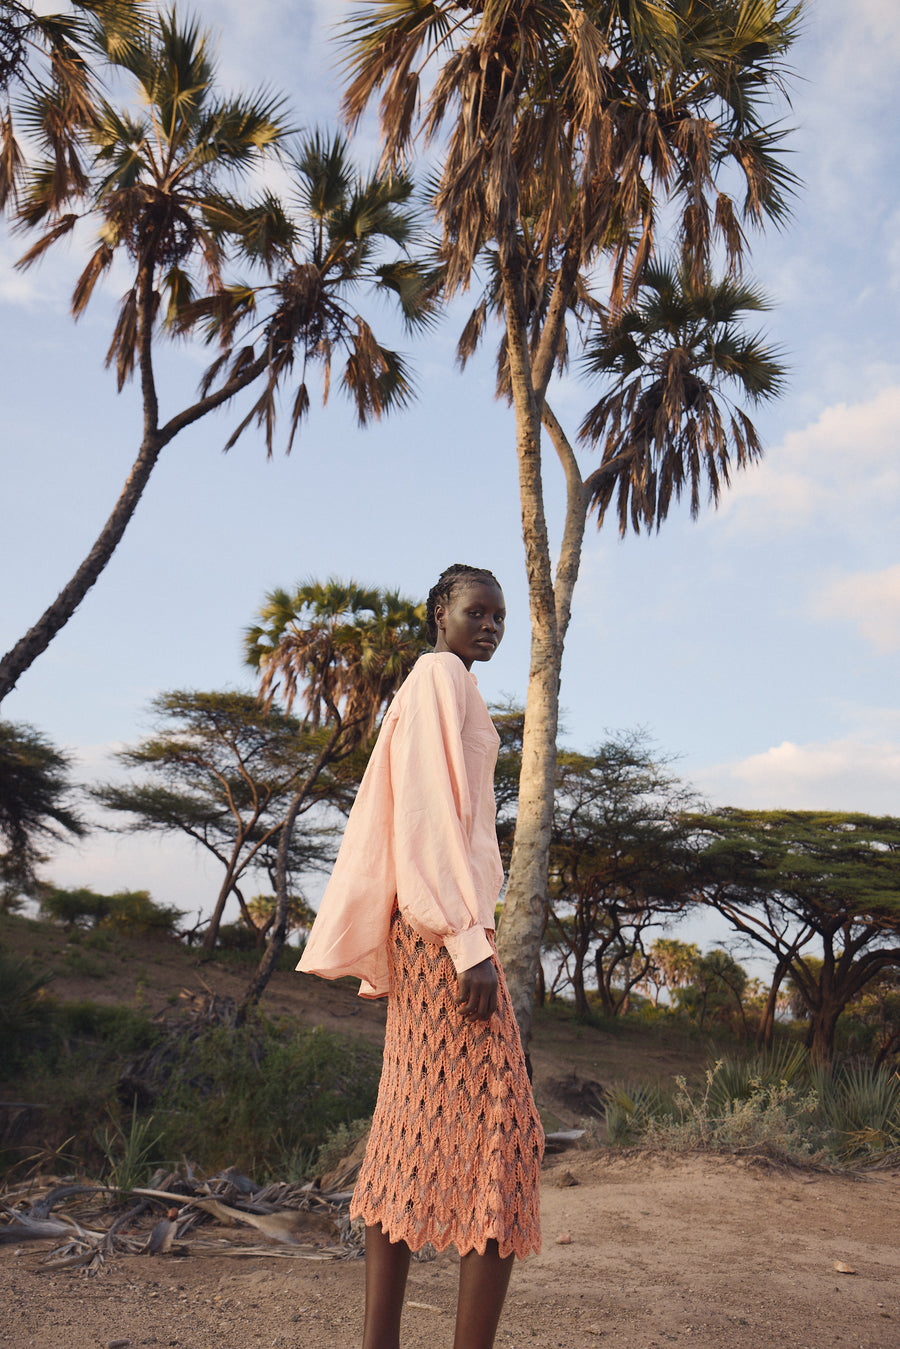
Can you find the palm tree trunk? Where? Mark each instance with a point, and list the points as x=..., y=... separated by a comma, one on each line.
x=37, y=639
x=26, y=651
x=519, y=935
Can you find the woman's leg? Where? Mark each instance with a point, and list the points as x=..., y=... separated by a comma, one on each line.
x=483, y=1281
x=387, y=1265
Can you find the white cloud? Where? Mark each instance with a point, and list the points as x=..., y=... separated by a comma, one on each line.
x=870, y=600
x=858, y=772
x=844, y=142
x=836, y=472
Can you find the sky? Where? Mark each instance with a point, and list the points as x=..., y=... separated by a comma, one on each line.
x=758, y=646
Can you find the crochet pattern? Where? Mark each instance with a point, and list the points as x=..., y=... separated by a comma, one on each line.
x=455, y=1150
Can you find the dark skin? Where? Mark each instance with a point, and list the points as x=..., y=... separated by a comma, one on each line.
x=471, y=626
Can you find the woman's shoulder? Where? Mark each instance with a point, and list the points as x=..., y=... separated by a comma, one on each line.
x=435, y=676
x=436, y=667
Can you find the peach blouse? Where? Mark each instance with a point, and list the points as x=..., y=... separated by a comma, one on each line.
x=422, y=828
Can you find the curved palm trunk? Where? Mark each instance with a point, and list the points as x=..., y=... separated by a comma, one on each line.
x=38, y=638
x=26, y=651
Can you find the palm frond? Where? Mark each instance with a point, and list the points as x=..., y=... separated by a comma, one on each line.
x=677, y=357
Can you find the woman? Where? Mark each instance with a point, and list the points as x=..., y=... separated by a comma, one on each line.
x=455, y=1148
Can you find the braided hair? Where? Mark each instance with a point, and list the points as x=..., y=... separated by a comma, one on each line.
x=448, y=581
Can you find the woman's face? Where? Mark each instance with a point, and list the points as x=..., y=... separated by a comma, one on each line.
x=472, y=624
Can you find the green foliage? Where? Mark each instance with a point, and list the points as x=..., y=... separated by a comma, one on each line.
x=134, y=913
x=130, y=913
x=115, y=1029
x=24, y=1011
x=249, y=1095
x=82, y=963
x=716, y=991
x=75, y=908
x=130, y=1153
x=629, y=1111
x=35, y=805
x=621, y=860
x=779, y=1105
x=774, y=1120
x=340, y=1143
x=738, y=1079
x=788, y=879
x=861, y=1105
x=223, y=771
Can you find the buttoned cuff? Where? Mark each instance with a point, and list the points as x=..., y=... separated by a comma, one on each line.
x=468, y=948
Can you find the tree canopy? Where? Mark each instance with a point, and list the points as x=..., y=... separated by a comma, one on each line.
x=36, y=805
x=223, y=771
x=819, y=891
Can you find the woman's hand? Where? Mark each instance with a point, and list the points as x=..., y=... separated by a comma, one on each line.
x=477, y=996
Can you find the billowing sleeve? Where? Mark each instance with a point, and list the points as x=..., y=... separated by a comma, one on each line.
x=433, y=815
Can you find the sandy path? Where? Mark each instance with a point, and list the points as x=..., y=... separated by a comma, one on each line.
x=696, y=1251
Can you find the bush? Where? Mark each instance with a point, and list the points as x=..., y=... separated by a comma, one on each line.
x=131, y=912
x=75, y=908
x=254, y=1095
x=135, y=914
x=119, y=1030
x=861, y=1105
x=775, y=1104
x=24, y=1010
x=773, y=1119
x=236, y=937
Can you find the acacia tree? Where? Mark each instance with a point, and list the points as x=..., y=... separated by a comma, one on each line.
x=224, y=772
x=35, y=806
x=566, y=128
x=167, y=187
x=620, y=864
x=344, y=651
x=820, y=892
x=716, y=989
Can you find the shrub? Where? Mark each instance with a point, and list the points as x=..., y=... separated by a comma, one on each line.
x=860, y=1103
x=131, y=912
x=630, y=1110
x=24, y=1011
x=252, y=1095
x=776, y=1104
x=134, y=913
x=75, y=908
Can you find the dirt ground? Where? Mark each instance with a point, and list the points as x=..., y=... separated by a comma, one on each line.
x=700, y=1251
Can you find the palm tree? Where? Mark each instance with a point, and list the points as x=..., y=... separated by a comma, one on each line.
x=675, y=359
x=35, y=805
x=44, y=57
x=162, y=192
x=568, y=127
x=346, y=650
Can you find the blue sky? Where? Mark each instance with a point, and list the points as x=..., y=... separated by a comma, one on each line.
x=758, y=644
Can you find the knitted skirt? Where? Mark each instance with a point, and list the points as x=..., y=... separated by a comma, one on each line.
x=455, y=1150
